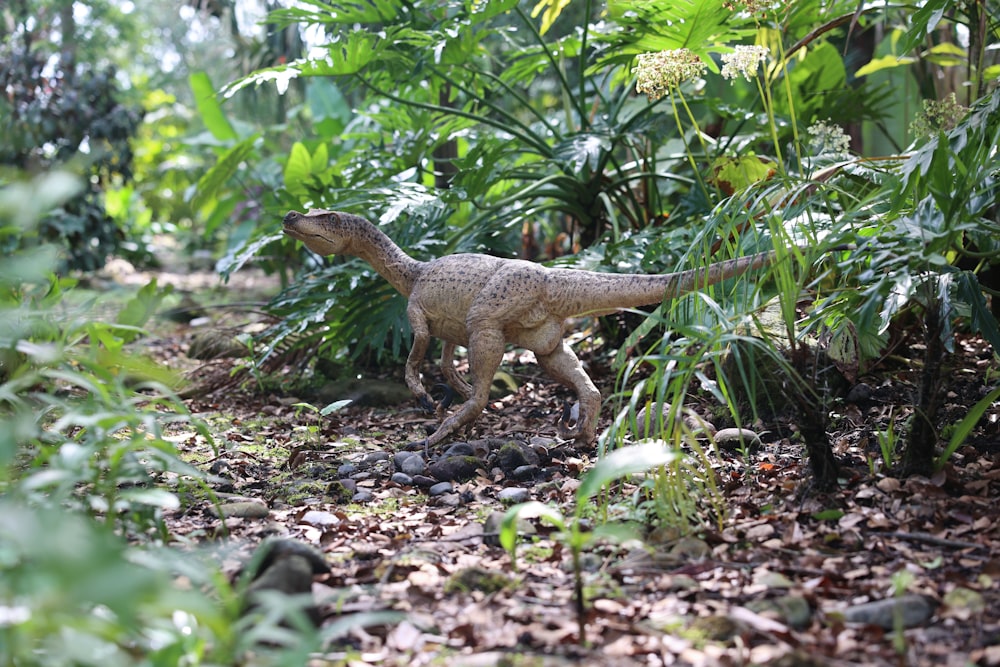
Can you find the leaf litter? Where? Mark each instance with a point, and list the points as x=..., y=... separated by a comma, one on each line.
x=885, y=571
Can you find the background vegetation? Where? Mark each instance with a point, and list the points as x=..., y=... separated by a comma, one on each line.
x=506, y=127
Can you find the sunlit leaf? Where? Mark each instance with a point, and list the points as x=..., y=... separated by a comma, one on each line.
x=208, y=106
x=883, y=63
x=630, y=460
x=228, y=165
x=298, y=169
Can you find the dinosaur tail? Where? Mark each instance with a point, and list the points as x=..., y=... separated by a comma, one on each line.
x=599, y=293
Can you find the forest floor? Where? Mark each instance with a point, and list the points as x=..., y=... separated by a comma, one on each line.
x=884, y=571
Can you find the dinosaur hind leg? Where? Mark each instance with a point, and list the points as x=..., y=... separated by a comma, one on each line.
x=564, y=367
x=451, y=375
x=485, y=354
x=421, y=339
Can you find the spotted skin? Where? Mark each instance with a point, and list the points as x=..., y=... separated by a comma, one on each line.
x=484, y=303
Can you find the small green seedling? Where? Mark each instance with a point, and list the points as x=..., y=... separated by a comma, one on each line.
x=639, y=458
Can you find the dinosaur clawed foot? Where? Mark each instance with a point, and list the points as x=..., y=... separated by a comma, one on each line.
x=570, y=425
x=431, y=404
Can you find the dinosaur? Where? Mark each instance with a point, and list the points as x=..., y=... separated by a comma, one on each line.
x=483, y=303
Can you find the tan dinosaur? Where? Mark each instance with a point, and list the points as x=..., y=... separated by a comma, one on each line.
x=483, y=303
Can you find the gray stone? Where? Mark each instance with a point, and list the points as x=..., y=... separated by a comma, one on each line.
x=401, y=478
x=440, y=488
x=513, y=495
x=363, y=496
x=526, y=472
x=413, y=465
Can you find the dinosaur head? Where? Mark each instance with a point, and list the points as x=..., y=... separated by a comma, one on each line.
x=322, y=231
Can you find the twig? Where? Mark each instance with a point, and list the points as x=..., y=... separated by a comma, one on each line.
x=927, y=538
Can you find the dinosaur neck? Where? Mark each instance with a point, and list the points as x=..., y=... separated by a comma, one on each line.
x=370, y=244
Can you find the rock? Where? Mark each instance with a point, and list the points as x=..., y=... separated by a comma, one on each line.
x=477, y=579
x=859, y=393
x=522, y=473
x=341, y=488
x=792, y=610
x=714, y=628
x=363, y=496
x=413, y=465
x=424, y=481
x=287, y=567
x=690, y=549
x=513, y=495
x=908, y=610
x=216, y=344
x=513, y=455
x=246, y=509
x=491, y=529
x=401, y=478
x=372, y=458
x=346, y=470
x=459, y=449
x=734, y=438
x=399, y=457
x=440, y=488
x=319, y=519
x=455, y=468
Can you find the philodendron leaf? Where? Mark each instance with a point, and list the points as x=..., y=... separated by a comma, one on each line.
x=637, y=458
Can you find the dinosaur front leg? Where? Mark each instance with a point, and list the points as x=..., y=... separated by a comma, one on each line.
x=485, y=354
x=564, y=367
x=421, y=339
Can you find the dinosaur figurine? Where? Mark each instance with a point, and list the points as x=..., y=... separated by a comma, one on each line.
x=483, y=303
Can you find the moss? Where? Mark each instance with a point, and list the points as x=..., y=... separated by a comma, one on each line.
x=477, y=579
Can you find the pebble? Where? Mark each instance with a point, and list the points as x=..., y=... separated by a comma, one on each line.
x=424, y=481
x=512, y=495
x=243, y=509
x=346, y=470
x=413, y=465
x=349, y=484
x=363, y=496
x=526, y=472
x=399, y=457
x=374, y=457
x=402, y=479
x=459, y=449
x=910, y=610
x=440, y=489
x=319, y=519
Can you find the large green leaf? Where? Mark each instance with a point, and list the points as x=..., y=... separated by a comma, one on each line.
x=215, y=178
x=660, y=25
x=298, y=168
x=208, y=106
x=641, y=457
x=342, y=13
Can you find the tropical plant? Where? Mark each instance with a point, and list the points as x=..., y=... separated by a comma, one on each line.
x=61, y=112
x=574, y=531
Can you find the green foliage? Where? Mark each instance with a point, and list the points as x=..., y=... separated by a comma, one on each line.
x=574, y=531
x=72, y=118
x=483, y=126
x=86, y=450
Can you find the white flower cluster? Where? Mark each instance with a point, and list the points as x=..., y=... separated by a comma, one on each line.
x=656, y=73
x=750, y=6
x=938, y=116
x=828, y=139
x=743, y=61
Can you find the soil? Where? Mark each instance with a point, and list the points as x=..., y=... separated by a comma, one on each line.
x=784, y=575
